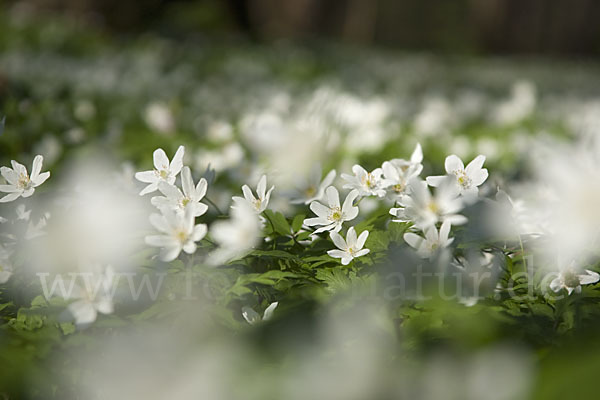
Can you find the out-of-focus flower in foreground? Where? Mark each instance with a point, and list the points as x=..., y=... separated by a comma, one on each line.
x=20, y=183
x=179, y=232
x=235, y=236
x=93, y=298
x=6, y=268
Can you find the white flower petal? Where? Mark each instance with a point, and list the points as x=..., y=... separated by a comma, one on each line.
x=362, y=238
x=436, y=180
x=41, y=178
x=36, y=168
x=338, y=240
x=177, y=162
x=453, y=163
x=475, y=165
x=333, y=197
x=161, y=161
x=413, y=240
x=268, y=314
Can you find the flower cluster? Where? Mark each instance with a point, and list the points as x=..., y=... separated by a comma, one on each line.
x=179, y=209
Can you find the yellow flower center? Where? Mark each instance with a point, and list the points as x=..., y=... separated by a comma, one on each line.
x=185, y=201
x=181, y=236
x=163, y=173
x=370, y=181
x=399, y=188
x=335, y=214
x=433, y=207
x=23, y=181
x=310, y=191
x=462, y=178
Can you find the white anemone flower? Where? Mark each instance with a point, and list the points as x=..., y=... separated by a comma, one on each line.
x=164, y=170
x=366, y=183
x=425, y=210
x=179, y=201
x=466, y=180
x=178, y=232
x=398, y=172
x=571, y=280
x=332, y=216
x=259, y=203
x=350, y=248
x=313, y=189
x=20, y=183
x=93, y=298
x=253, y=318
x=433, y=241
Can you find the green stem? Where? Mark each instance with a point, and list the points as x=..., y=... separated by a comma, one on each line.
x=209, y=201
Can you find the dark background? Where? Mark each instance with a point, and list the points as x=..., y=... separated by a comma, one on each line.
x=555, y=27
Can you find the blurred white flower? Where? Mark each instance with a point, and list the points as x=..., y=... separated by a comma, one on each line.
x=6, y=267
x=398, y=172
x=22, y=212
x=235, y=236
x=35, y=230
x=332, y=216
x=190, y=198
x=313, y=189
x=159, y=118
x=466, y=180
x=179, y=232
x=50, y=148
x=84, y=110
x=571, y=280
x=366, y=183
x=253, y=318
x=259, y=203
x=221, y=159
x=518, y=107
x=20, y=184
x=219, y=131
x=433, y=242
x=93, y=298
x=163, y=170
x=435, y=118
x=425, y=210
x=350, y=248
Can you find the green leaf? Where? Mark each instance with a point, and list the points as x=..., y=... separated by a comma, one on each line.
x=279, y=222
x=303, y=236
x=273, y=253
x=38, y=302
x=377, y=241
x=67, y=328
x=297, y=222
